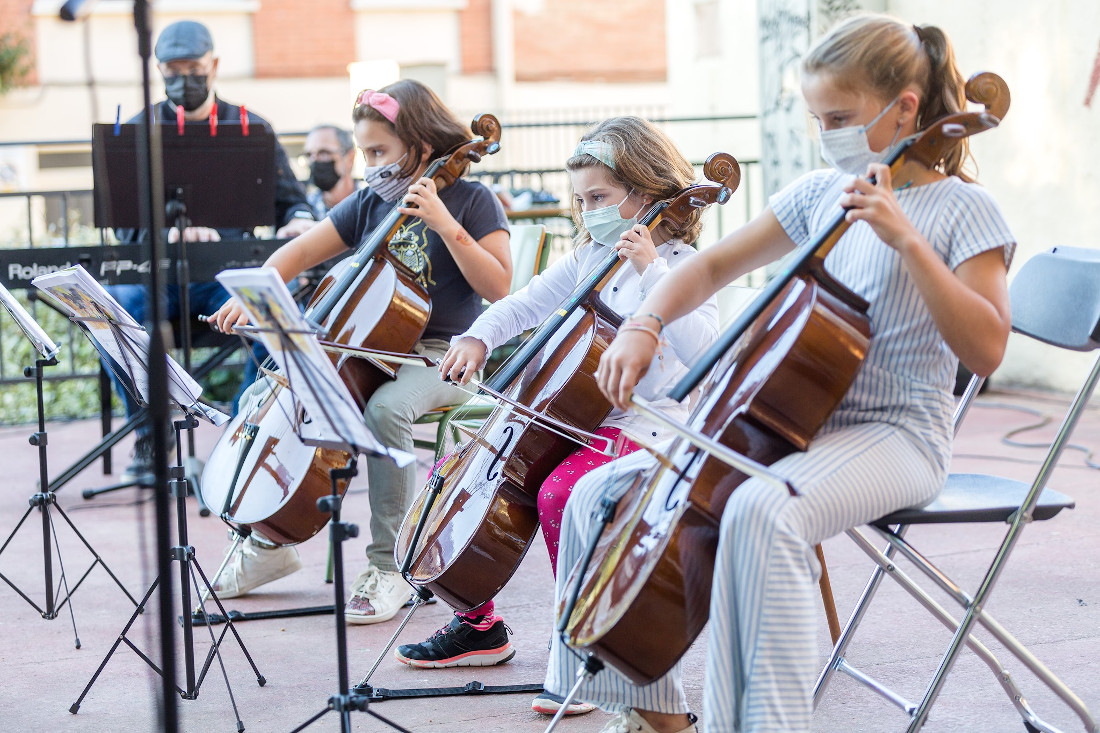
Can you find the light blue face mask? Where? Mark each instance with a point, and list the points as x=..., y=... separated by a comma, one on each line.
x=847, y=150
x=606, y=225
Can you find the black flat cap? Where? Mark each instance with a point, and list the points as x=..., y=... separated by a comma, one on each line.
x=184, y=39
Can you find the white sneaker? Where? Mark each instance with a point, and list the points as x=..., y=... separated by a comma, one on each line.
x=628, y=721
x=252, y=566
x=376, y=596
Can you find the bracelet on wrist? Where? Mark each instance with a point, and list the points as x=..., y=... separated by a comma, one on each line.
x=629, y=326
x=654, y=316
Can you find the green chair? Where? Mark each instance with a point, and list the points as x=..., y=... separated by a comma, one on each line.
x=530, y=250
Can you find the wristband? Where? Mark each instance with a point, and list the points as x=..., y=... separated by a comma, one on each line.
x=654, y=316
x=644, y=329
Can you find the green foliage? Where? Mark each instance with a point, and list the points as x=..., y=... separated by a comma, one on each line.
x=63, y=398
x=14, y=60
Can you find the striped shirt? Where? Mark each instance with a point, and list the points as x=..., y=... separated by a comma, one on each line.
x=908, y=375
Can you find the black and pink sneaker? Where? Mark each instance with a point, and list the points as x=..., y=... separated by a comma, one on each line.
x=478, y=642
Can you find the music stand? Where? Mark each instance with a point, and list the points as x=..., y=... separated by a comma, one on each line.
x=125, y=345
x=202, y=169
x=44, y=499
x=335, y=422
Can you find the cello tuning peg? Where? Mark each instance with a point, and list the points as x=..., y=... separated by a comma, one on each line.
x=493, y=148
x=724, y=194
x=474, y=156
x=953, y=129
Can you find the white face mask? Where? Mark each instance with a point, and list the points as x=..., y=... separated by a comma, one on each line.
x=606, y=225
x=847, y=149
x=385, y=182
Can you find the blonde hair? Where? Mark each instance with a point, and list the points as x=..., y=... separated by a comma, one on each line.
x=884, y=54
x=646, y=161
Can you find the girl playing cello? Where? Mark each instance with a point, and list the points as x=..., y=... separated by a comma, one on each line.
x=457, y=241
x=931, y=260
x=618, y=171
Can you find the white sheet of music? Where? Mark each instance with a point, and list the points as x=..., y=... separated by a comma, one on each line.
x=83, y=298
x=41, y=340
x=335, y=420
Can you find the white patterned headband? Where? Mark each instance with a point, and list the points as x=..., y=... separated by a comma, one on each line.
x=599, y=150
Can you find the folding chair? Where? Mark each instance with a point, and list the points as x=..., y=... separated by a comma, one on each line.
x=529, y=254
x=1055, y=299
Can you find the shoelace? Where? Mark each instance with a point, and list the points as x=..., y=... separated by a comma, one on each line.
x=624, y=725
x=368, y=582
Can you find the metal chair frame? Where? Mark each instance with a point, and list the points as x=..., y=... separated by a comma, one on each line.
x=1055, y=299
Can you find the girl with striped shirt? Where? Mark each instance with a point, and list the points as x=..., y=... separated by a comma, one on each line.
x=931, y=260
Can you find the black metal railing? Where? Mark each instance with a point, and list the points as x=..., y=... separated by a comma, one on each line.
x=530, y=163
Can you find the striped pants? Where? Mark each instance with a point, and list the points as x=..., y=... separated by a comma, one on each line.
x=762, y=656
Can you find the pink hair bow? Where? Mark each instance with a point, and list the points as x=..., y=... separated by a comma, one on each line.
x=384, y=103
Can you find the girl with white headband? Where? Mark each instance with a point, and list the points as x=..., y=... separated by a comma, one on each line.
x=456, y=239
x=618, y=171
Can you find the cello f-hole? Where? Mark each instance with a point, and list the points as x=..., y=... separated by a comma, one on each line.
x=490, y=473
x=681, y=475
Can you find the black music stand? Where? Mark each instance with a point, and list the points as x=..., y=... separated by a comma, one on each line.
x=122, y=345
x=201, y=172
x=334, y=422
x=44, y=499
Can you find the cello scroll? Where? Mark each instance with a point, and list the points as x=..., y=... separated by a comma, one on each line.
x=487, y=142
x=985, y=88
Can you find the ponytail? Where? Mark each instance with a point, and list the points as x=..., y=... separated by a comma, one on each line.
x=882, y=53
x=945, y=93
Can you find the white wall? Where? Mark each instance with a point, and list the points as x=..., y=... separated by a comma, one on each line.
x=1039, y=163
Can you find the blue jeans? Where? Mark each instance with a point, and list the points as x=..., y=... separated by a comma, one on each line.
x=204, y=299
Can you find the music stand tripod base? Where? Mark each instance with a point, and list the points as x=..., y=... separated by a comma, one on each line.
x=191, y=573
x=45, y=501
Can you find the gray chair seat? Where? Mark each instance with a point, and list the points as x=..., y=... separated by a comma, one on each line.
x=975, y=497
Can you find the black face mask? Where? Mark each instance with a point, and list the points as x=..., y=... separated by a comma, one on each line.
x=323, y=174
x=187, y=91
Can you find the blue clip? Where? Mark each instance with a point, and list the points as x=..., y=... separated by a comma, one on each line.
x=118, y=117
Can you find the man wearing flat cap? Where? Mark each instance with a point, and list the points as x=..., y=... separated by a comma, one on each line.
x=185, y=57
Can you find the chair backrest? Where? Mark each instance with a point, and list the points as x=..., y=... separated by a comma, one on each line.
x=1056, y=298
x=529, y=253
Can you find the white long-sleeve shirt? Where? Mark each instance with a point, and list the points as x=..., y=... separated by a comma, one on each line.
x=684, y=340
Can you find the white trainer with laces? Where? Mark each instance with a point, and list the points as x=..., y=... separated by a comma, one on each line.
x=628, y=721
x=376, y=596
x=253, y=565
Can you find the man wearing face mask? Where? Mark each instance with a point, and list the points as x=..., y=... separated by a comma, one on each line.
x=186, y=60
x=329, y=152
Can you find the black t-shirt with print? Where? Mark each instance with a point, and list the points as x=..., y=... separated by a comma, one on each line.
x=455, y=305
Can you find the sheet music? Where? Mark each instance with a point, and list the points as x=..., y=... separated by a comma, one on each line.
x=336, y=421
x=42, y=342
x=84, y=299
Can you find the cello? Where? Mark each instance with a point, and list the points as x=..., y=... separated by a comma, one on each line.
x=773, y=378
x=474, y=535
x=259, y=474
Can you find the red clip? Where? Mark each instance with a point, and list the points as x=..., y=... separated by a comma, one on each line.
x=214, y=122
x=179, y=118
x=244, y=121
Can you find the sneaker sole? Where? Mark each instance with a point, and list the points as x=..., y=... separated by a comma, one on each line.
x=488, y=658
x=551, y=708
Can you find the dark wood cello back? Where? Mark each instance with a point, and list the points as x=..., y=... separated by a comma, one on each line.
x=778, y=373
x=259, y=473
x=482, y=524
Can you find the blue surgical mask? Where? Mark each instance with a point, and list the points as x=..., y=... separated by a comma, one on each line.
x=847, y=149
x=385, y=182
x=606, y=225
